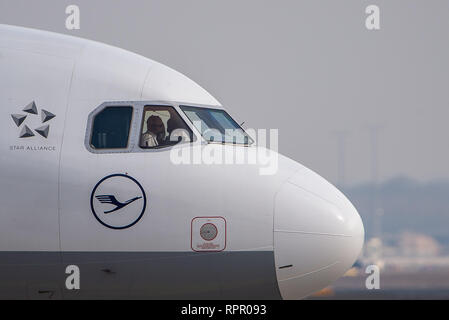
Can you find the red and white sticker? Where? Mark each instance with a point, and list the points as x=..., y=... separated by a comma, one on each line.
x=208, y=234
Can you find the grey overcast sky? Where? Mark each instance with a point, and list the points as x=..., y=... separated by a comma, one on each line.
x=308, y=68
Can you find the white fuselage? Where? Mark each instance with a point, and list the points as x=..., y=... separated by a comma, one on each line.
x=286, y=234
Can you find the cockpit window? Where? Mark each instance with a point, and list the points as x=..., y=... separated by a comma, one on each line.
x=111, y=128
x=163, y=127
x=216, y=125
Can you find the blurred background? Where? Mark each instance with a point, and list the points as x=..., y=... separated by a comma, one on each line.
x=367, y=110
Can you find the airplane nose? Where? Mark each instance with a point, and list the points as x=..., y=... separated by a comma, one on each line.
x=318, y=234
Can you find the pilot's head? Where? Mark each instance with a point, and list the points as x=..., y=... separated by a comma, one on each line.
x=155, y=125
x=171, y=125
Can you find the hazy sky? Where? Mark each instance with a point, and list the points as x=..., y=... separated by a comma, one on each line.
x=309, y=68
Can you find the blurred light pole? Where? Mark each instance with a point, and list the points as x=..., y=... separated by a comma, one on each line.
x=377, y=208
x=341, y=137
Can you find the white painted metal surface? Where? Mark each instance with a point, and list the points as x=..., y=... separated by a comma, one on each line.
x=46, y=184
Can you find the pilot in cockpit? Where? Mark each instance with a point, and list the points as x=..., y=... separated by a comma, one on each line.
x=155, y=134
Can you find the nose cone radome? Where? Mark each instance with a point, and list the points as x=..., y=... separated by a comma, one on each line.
x=318, y=234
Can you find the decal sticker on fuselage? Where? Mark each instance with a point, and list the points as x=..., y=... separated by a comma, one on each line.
x=32, y=123
x=118, y=201
x=31, y=111
x=208, y=234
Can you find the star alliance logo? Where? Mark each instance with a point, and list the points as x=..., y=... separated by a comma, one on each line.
x=31, y=109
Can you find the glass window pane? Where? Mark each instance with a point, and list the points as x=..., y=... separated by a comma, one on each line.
x=163, y=127
x=216, y=125
x=111, y=128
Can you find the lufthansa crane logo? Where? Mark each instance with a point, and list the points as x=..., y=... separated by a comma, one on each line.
x=112, y=200
x=118, y=201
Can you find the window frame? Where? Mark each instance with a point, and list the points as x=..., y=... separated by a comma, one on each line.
x=142, y=124
x=129, y=131
x=190, y=105
x=136, y=121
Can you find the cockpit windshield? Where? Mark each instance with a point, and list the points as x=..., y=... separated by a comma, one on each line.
x=216, y=125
